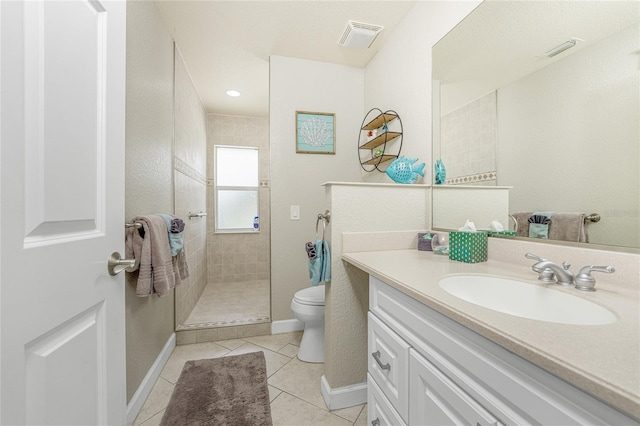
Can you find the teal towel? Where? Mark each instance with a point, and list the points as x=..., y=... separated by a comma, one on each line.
x=320, y=266
x=540, y=230
x=176, y=239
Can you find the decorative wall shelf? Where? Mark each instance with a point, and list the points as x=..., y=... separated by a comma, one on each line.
x=379, y=139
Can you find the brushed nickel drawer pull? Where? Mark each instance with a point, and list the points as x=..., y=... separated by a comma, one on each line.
x=376, y=356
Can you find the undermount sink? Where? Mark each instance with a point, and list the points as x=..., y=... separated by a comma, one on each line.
x=526, y=300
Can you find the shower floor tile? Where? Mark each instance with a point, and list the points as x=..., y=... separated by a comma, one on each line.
x=232, y=303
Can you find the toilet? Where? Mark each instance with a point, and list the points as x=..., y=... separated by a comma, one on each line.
x=308, y=306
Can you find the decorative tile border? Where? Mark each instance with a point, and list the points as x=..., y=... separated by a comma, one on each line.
x=479, y=177
x=184, y=168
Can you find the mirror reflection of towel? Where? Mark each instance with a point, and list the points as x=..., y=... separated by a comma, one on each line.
x=539, y=225
x=564, y=226
x=320, y=266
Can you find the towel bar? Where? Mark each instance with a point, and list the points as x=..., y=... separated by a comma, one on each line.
x=593, y=217
x=133, y=225
x=199, y=214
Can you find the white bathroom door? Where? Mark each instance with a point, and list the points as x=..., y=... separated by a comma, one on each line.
x=62, y=335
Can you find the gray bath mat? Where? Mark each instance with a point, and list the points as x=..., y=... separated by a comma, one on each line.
x=221, y=391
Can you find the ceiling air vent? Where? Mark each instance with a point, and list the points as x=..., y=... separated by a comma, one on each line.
x=358, y=35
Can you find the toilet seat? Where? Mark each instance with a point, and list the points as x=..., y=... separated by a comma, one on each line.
x=313, y=296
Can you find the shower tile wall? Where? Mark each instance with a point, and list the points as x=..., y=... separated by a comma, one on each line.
x=190, y=185
x=239, y=257
x=190, y=192
x=468, y=141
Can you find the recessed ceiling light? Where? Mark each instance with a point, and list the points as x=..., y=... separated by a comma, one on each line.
x=233, y=93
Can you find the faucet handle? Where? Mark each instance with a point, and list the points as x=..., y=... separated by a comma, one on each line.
x=534, y=257
x=546, y=275
x=586, y=282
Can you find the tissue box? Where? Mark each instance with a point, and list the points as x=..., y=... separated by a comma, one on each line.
x=502, y=233
x=424, y=244
x=469, y=247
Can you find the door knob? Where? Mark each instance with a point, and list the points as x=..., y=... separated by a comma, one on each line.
x=117, y=264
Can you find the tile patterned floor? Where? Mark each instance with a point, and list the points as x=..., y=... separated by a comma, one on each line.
x=239, y=302
x=294, y=386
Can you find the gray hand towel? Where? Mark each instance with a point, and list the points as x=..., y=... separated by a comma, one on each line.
x=568, y=226
x=522, y=223
x=156, y=272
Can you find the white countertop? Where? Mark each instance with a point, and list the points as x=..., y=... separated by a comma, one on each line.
x=602, y=360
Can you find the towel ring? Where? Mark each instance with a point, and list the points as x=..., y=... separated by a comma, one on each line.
x=324, y=226
x=325, y=218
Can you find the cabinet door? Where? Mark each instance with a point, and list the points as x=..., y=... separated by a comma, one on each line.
x=388, y=364
x=436, y=400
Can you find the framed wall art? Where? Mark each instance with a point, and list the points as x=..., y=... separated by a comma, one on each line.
x=315, y=132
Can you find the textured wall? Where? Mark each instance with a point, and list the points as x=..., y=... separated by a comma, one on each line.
x=239, y=257
x=354, y=208
x=296, y=179
x=149, y=137
x=190, y=184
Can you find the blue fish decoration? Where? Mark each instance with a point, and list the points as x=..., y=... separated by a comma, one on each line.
x=402, y=170
x=441, y=173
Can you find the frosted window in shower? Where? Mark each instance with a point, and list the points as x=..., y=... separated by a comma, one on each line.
x=236, y=188
x=237, y=166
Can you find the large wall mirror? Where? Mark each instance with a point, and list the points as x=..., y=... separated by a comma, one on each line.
x=549, y=98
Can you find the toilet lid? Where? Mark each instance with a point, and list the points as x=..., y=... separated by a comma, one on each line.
x=311, y=296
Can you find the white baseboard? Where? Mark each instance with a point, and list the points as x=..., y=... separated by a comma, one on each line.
x=286, y=326
x=343, y=397
x=142, y=393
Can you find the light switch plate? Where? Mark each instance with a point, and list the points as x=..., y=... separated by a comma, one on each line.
x=295, y=212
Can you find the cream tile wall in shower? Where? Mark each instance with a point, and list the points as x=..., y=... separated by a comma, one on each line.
x=190, y=185
x=468, y=142
x=239, y=257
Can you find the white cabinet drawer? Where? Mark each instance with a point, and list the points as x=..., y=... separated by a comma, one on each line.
x=436, y=400
x=380, y=412
x=512, y=388
x=388, y=364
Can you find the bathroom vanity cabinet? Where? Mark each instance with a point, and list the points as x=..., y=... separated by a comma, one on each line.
x=426, y=369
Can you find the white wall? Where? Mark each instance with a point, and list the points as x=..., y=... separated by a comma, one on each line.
x=148, y=147
x=453, y=205
x=399, y=76
x=586, y=103
x=296, y=179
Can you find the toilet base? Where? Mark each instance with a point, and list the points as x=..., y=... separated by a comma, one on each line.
x=312, y=344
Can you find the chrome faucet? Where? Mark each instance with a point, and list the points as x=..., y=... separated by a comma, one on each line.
x=548, y=270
